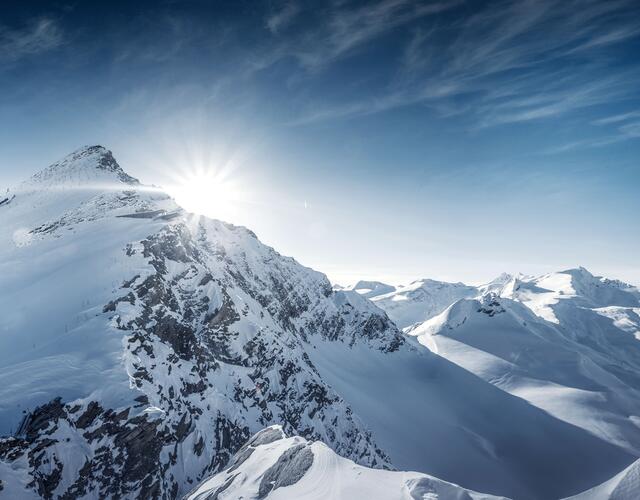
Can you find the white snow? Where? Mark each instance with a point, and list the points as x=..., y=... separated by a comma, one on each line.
x=329, y=477
x=565, y=342
x=421, y=300
x=623, y=486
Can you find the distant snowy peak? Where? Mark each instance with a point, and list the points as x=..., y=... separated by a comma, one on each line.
x=565, y=342
x=89, y=165
x=370, y=289
x=457, y=314
x=421, y=300
x=271, y=465
x=579, y=285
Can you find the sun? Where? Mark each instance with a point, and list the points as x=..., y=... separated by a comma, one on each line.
x=207, y=194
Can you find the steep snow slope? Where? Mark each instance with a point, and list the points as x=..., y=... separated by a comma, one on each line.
x=140, y=346
x=432, y=416
x=272, y=466
x=623, y=486
x=559, y=342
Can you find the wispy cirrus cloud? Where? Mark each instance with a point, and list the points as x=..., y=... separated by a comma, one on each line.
x=38, y=36
x=281, y=17
x=340, y=28
x=509, y=62
x=619, y=128
x=617, y=118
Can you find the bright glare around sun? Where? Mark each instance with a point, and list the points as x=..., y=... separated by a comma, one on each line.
x=207, y=194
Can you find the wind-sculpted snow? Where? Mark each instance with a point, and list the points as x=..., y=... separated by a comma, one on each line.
x=294, y=468
x=93, y=165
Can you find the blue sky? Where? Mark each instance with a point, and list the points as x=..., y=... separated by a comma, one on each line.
x=388, y=139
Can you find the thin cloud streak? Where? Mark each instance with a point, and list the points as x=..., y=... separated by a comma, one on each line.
x=341, y=30
x=283, y=17
x=40, y=35
x=501, y=61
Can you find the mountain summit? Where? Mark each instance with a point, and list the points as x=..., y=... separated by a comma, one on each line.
x=86, y=165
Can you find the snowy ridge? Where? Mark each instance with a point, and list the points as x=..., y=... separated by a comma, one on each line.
x=370, y=289
x=271, y=466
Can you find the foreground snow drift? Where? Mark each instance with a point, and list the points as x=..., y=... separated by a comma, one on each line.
x=273, y=466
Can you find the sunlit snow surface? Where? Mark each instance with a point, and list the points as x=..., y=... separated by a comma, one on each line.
x=325, y=475
x=272, y=465
x=61, y=262
x=567, y=342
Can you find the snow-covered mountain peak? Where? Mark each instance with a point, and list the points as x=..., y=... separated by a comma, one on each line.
x=502, y=278
x=421, y=300
x=87, y=166
x=589, y=290
x=457, y=314
x=141, y=347
x=496, y=284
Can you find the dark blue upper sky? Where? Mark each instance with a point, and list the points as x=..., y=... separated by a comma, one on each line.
x=390, y=139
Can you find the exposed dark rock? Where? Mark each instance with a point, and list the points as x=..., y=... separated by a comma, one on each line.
x=199, y=446
x=87, y=418
x=143, y=215
x=289, y=469
x=41, y=418
x=47, y=483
